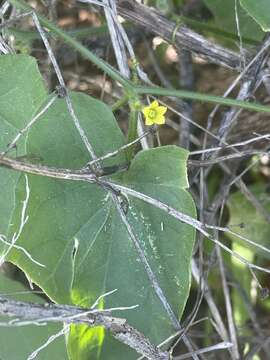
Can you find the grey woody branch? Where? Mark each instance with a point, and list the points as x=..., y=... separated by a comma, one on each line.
x=118, y=327
x=181, y=35
x=57, y=173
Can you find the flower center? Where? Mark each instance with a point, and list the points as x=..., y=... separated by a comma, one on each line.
x=152, y=114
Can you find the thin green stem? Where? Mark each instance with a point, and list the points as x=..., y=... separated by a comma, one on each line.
x=119, y=103
x=29, y=35
x=85, y=32
x=132, y=132
x=107, y=68
x=184, y=94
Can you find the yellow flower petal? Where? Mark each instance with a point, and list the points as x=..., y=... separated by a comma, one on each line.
x=146, y=111
x=160, y=120
x=162, y=109
x=148, y=122
x=154, y=104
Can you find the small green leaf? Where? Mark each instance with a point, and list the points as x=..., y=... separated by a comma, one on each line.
x=252, y=223
x=165, y=6
x=259, y=10
x=225, y=17
x=18, y=342
x=239, y=270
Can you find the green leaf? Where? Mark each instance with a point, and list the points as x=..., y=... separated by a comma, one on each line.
x=259, y=10
x=165, y=6
x=21, y=94
x=254, y=226
x=105, y=260
x=161, y=174
x=59, y=209
x=224, y=14
x=18, y=342
x=75, y=231
x=239, y=270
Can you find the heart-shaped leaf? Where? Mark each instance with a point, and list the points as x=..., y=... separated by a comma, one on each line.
x=75, y=231
x=259, y=10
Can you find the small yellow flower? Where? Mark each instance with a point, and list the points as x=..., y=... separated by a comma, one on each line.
x=154, y=113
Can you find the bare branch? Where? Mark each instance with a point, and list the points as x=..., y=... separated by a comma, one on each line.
x=118, y=327
x=185, y=38
x=85, y=175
